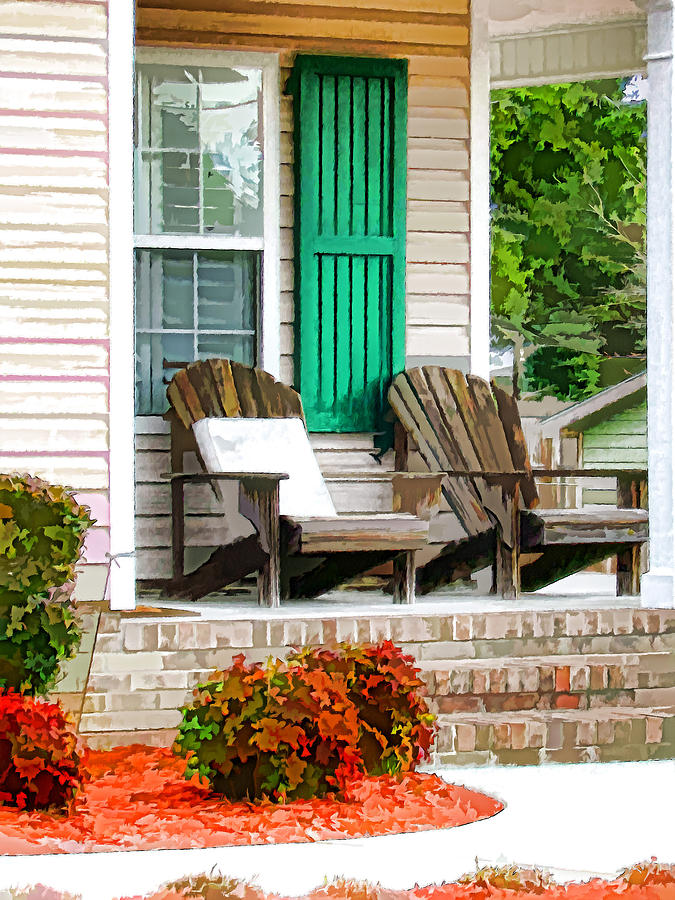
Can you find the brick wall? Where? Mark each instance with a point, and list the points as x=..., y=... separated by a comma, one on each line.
x=500, y=681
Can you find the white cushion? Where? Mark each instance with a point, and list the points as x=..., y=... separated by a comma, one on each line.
x=268, y=445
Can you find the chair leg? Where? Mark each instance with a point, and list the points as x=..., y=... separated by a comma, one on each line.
x=628, y=569
x=269, y=588
x=404, y=577
x=506, y=571
x=177, y=529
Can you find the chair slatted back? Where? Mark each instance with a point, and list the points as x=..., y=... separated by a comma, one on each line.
x=455, y=421
x=221, y=388
x=437, y=432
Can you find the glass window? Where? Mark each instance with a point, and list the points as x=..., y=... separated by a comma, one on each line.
x=199, y=197
x=199, y=151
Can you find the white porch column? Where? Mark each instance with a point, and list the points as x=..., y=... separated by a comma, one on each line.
x=658, y=585
x=480, y=190
x=122, y=581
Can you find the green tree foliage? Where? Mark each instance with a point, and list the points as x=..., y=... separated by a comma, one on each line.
x=568, y=222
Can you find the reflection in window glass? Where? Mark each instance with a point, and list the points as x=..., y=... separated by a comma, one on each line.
x=199, y=151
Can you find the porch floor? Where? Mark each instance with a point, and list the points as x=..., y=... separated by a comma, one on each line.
x=583, y=591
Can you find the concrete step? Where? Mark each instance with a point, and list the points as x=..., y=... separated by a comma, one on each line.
x=535, y=737
x=550, y=682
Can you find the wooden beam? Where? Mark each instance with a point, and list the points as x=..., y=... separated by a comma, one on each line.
x=584, y=526
x=443, y=30
x=349, y=533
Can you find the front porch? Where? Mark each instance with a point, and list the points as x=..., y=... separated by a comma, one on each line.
x=553, y=678
x=446, y=302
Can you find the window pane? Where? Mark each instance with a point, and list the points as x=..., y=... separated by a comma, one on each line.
x=228, y=346
x=164, y=289
x=225, y=285
x=227, y=290
x=151, y=352
x=199, y=154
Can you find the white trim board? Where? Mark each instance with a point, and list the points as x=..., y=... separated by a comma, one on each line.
x=480, y=190
x=122, y=582
x=575, y=53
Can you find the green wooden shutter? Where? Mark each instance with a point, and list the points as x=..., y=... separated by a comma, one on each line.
x=350, y=223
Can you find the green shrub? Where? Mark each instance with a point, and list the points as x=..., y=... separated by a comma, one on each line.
x=566, y=374
x=42, y=530
x=271, y=732
x=36, y=636
x=41, y=756
x=396, y=729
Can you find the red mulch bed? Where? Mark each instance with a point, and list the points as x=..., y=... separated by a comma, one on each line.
x=138, y=800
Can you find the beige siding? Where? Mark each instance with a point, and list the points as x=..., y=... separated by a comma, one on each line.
x=53, y=246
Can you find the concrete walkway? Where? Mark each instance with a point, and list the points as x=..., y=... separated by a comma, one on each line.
x=574, y=820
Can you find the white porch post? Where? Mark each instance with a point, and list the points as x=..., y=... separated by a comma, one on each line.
x=480, y=190
x=658, y=585
x=122, y=581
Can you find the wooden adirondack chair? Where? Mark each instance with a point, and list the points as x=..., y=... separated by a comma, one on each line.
x=301, y=554
x=473, y=435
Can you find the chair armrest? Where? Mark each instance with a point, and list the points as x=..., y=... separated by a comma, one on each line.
x=634, y=474
x=379, y=475
x=419, y=496
x=260, y=478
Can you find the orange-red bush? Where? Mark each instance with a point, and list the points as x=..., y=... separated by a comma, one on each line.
x=302, y=729
x=396, y=729
x=41, y=757
x=275, y=732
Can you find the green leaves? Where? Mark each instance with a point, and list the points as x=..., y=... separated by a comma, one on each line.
x=568, y=237
x=36, y=636
x=42, y=532
x=42, y=529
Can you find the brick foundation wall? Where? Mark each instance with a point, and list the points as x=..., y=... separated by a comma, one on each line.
x=501, y=682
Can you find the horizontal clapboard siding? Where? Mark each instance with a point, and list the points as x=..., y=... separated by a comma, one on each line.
x=204, y=522
x=433, y=36
x=54, y=354
x=620, y=441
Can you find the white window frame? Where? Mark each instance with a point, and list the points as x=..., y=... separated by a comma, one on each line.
x=269, y=314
